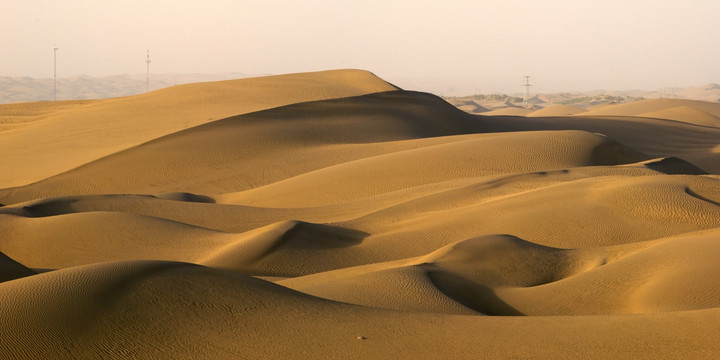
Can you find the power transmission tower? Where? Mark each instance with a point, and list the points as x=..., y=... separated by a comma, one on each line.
x=147, y=78
x=55, y=49
x=526, y=84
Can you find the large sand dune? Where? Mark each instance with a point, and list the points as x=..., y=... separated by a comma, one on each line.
x=64, y=137
x=332, y=215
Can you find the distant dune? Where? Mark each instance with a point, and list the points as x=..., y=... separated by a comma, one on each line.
x=334, y=215
x=653, y=105
x=627, y=103
x=686, y=114
x=509, y=111
x=558, y=110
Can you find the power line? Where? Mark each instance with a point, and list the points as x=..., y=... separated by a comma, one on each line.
x=55, y=49
x=147, y=79
x=526, y=84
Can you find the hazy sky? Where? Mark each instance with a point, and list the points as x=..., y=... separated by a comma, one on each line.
x=563, y=44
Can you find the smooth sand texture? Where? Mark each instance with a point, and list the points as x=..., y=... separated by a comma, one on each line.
x=103, y=127
x=370, y=223
x=510, y=111
x=557, y=110
x=639, y=108
x=686, y=114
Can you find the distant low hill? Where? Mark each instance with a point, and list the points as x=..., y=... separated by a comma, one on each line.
x=27, y=89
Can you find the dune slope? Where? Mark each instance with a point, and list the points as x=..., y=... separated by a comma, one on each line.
x=83, y=131
x=125, y=310
x=223, y=155
x=638, y=108
x=11, y=269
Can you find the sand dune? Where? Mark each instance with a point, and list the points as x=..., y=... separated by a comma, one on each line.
x=102, y=236
x=100, y=128
x=557, y=110
x=655, y=137
x=218, y=155
x=332, y=215
x=21, y=114
x=472, y=107
x=639, y=108
x=509, y=111
x=11, y=269
x=390, y=226
x=686, y=114
x=504, y=275
x=281, y=249
x=231, y=315
x=630, y=285
x=478, y=155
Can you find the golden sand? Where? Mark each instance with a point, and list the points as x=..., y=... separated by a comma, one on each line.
x=332, y=215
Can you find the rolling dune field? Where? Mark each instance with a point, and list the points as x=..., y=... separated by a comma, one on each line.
x=334, y=215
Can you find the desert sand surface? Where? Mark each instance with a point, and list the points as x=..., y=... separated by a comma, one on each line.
x=103, y=127
x=332, y=215
x=558, y=110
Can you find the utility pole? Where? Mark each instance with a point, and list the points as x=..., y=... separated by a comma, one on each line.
x=55, y=49
x=526, y=84
x=147, y=79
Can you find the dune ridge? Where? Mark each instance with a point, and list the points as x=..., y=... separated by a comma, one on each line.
x=103, y=127
x=331, y=214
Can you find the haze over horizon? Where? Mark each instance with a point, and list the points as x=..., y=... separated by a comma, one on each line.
x=564, y=45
